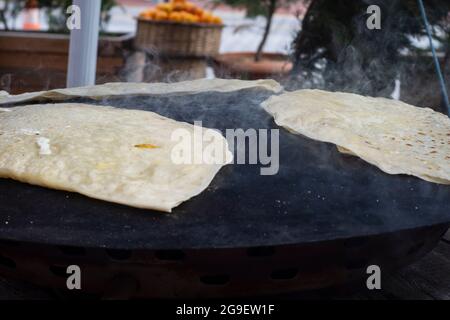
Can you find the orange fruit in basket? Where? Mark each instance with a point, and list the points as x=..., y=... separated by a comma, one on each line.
x=160, y=15
x=199, y=11
x=193, y=18
x=180, y=11
x=167, y=7
x=190, y=7
x=206, y=18
x=180, y=14
x=147, y=14
x=175, y=16
x=217, y=20
x=179, y=6
x=184, y=16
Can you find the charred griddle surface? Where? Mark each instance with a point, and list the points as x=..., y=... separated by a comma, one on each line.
x=318, y=194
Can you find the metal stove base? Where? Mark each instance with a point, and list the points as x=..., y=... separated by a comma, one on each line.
x=217, y=273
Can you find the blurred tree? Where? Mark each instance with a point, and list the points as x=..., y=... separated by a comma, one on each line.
x=335, y=49
x=10, y=9
x=266, y=8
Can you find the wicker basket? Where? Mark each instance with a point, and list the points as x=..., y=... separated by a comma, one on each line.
x=175, y=39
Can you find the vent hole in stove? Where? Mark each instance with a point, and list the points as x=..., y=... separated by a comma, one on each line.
x=170, y=255
x=261, y=252
x=7, y=262
x=284, y=274
x=215, y=280
x=119, y=255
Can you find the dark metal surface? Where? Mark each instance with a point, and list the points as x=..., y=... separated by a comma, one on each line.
x=318, y=195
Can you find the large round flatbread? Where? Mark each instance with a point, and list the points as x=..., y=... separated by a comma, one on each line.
x=117, y=89
x=122, y=156
x=396, y=137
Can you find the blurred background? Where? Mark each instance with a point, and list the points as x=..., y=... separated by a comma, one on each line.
x=303, y=44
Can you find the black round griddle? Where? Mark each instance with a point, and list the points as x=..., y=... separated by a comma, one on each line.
x=318, y=194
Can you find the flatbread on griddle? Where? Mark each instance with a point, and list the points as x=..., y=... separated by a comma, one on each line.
x=117, y=155
x=117, y=89
x=396, y=137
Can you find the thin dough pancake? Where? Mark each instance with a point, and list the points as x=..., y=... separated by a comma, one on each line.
x=117, y=155
x=396, y=137
x=117, y=89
